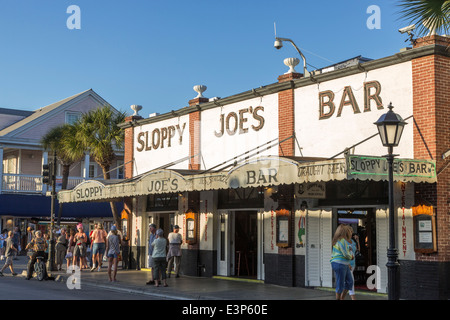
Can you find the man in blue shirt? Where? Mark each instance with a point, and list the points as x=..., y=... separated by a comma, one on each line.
x=151, y=238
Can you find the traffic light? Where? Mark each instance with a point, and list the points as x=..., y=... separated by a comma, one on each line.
x=47, y=174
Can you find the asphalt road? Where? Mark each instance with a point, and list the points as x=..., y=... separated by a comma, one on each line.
x=17, y=288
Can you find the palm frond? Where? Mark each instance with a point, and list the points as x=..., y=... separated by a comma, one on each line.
x=427, y=15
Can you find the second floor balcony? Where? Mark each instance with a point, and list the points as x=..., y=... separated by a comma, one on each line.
x=32, y=184
x=21, y=171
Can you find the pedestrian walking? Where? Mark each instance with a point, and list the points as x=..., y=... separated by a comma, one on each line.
x=340, y=260
x=30, y=234
x=113, y=251
x=61, y=248
x=174, y=254
x=79, y=251
x=98, y=243
x=9, y=249
x=47, y=241
x=125, y=253
x=355, y=248
x=91, y=264
x=70, y=247
x=3, y=237
x=159, y=257
x=16, y=242
x=151, y=238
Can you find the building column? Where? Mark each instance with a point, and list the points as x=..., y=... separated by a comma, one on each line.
x=128, y=158
x=286, y=120
x=87, y=160
x=1, y=169
x=195, y=129
x=431, y=97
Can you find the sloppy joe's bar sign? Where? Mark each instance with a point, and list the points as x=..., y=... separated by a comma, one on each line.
x=234, y=122
x=240, y=122
x=327, y=103
x=155, y=182
x=264, y=171
x=158, y=138
x=88, y=191
x=377, y=168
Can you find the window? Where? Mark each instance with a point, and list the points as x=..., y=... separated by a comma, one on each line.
x=160, y=202
x=120, y=169
x=72, y=117
x=241, y=198
x=92, y=170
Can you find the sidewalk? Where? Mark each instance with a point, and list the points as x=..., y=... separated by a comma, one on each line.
x=194, y=288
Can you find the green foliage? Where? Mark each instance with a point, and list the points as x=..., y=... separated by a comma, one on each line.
x=427, y=15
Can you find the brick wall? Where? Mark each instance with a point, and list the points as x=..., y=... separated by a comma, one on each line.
x=128, y=148
x=286, y=116
x=431, y=105
x=194, y=133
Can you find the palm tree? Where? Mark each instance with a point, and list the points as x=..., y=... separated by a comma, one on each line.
x=431, y=16
x=62, y=141
x=98, y=131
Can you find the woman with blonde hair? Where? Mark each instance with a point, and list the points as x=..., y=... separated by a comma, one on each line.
x=341, y=257
x=112, y=252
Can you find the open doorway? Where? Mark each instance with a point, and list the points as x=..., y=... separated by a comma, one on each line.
x=363, y=224
x=246, y=242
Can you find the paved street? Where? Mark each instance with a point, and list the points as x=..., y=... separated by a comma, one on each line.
x=17, y=288
x=131, y=286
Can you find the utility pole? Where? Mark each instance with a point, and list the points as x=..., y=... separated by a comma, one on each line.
x=49, y=177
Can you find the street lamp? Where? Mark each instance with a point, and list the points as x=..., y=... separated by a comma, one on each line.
x=390, y=127
x=279, y=44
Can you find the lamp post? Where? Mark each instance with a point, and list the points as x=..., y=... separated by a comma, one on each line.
x=390, y=127
x=279, y=44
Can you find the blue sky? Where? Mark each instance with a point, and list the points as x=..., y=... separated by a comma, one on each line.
x=153, y=52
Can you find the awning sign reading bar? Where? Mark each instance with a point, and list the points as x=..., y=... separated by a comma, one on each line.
x=272, y=171
x=377, y=169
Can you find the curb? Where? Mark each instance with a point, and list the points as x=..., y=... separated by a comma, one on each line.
x=359, y=292
x=121, y=287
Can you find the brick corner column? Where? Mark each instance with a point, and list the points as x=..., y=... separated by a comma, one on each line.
x=129, y=147
x=286, y=121
x=431, y=109
x=194, y=133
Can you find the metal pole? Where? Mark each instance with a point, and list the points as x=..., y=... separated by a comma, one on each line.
x=305, y=71
x=392, y=253
x=51, y=249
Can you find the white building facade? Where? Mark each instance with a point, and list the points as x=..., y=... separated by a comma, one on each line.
x=259, y=181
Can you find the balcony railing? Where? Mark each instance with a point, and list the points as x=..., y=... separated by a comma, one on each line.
x=20, y=183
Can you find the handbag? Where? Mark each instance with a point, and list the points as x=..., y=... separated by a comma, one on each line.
x=69, y=254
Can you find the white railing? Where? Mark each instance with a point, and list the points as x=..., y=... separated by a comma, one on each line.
x=21, y=183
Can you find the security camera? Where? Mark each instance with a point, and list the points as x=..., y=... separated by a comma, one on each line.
x=407, y=29
x=446, y=154
x=278, y=44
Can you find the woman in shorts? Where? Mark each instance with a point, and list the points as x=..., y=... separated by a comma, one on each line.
x=113, y=251
x=79, y=251
x=98, y=246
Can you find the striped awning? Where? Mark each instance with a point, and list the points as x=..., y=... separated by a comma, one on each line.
x=256, y=172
